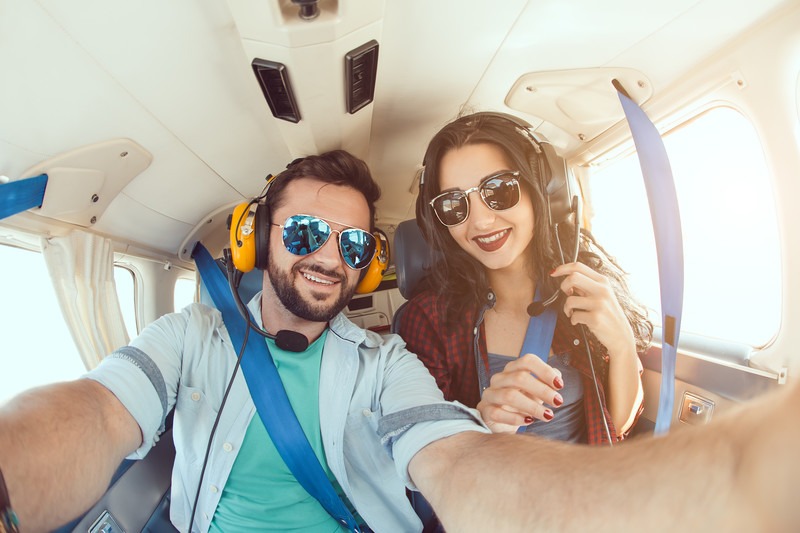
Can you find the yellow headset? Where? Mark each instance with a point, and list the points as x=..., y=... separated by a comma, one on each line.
x=243, y=236
x=249, y=240
x=373, y=274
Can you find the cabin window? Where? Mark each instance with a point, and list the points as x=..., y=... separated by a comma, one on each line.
x=37, y=348
x=185, y=291
x=125, y=280
x=732, y=268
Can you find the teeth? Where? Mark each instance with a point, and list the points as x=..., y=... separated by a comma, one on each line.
x=316, y=279
x=496, y=236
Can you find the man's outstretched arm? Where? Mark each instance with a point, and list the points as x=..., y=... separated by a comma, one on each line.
x=59, y=447
x=740, y=473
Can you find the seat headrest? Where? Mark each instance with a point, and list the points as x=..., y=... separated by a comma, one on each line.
x=413, y=257
x=248, y=287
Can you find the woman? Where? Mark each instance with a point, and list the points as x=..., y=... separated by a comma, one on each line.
x=500, y=253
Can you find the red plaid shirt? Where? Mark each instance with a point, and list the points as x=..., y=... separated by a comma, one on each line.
x=447, y=351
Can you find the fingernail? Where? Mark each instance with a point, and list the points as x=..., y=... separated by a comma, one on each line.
x=528, y=419
x=548, y=414
x=557, y=400
x=558, y=382
x=553, y=271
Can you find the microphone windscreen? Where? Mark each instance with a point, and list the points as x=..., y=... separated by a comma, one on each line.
x=535, y=309
x=291, y=341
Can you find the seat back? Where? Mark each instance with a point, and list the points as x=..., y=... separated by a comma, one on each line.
x=249, y=285
x=413, y=259
x=137, y=498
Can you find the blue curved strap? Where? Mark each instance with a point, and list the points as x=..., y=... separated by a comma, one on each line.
x=270, y=397
x=539, y=336
x=666, y=219
x=21, y=195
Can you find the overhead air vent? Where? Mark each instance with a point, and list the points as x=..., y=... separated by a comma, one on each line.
x=274, y=81
x=361, y=67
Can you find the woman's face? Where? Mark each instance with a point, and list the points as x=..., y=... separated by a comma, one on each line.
x=498, y=239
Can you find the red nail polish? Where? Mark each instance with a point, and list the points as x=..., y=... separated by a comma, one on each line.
x=558, y=382
x=528, y=419
x=553, y=271
x=548, y=414
x=557, y=400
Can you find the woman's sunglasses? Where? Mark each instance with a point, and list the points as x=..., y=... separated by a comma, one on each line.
x=305, y=234
x=499, y=192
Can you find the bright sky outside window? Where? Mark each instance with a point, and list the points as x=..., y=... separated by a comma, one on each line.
x=732, y=285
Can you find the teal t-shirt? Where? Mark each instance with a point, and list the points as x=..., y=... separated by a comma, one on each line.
x=261, y=493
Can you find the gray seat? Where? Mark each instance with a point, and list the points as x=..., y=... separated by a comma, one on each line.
x=249, y=285
x=413, y=260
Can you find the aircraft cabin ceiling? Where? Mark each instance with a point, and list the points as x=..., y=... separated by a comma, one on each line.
x=170, y=85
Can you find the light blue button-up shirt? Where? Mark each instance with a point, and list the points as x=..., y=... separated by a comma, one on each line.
x=185, y=360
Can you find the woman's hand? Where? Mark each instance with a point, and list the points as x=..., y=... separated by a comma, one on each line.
x=591, y=301
x=517, y=395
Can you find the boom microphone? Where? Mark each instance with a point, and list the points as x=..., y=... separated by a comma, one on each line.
x=288, y=340
x=537, y=308
x=291, y=341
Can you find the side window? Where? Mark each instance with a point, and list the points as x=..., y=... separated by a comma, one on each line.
x=125, y=280
x=37, y=348
x=732, y=268
x=185, y=290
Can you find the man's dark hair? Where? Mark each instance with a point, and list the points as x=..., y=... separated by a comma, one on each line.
x=337, y=167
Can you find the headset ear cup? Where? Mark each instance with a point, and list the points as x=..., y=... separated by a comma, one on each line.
x=262, y=228
x=373, y=274
x=242, y=243
x=561, y=187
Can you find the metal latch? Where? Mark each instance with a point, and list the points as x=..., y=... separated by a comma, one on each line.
x=105, y=524
x=695, y=410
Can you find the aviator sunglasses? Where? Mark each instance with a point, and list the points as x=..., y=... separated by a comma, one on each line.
x=498, y=191
x=305, y=234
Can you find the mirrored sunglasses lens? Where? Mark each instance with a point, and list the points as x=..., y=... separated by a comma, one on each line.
x=451, y=208
x=501, y=192
x=303, y=235
x=357, y=247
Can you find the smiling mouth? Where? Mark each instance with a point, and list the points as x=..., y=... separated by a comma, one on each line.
x=316, y=279
x=493, y=241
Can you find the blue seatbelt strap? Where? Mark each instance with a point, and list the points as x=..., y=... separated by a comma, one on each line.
x=539, y=337
x=269, y=396
x=21, y=195
x=666, y=218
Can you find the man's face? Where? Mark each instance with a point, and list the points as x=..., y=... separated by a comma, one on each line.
x=317, y=286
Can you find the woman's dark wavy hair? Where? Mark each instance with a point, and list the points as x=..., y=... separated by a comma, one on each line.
x=462, y=281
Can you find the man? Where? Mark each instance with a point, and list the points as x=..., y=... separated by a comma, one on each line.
x=60, y=445
x=186, y=360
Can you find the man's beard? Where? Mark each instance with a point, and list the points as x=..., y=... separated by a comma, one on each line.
x=283, y=285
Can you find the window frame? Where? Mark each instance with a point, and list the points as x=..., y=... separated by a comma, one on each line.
x=696, y=344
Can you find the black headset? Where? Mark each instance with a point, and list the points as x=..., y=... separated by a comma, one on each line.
x=249, y=226
x=559, y=185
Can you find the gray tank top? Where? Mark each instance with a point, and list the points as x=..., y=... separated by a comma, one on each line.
x=569, y=422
